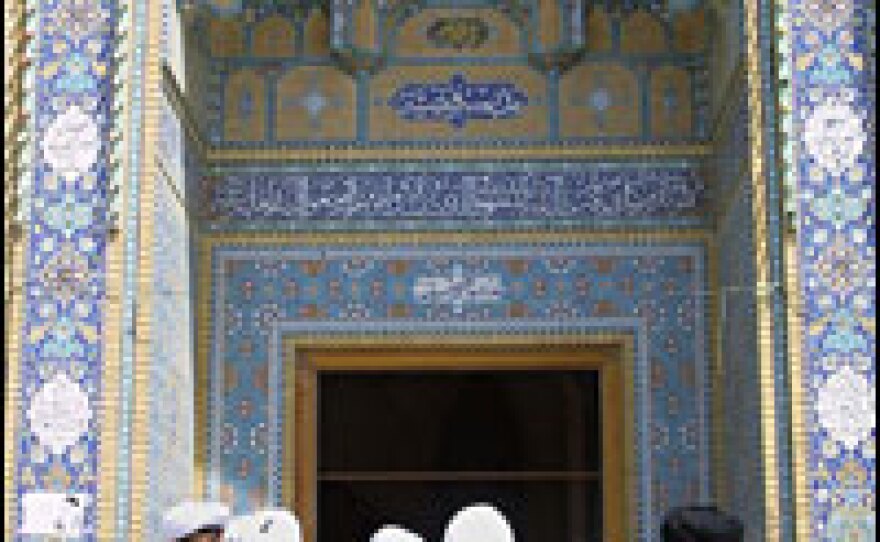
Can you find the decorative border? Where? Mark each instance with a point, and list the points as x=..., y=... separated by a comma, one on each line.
x=14, y=250
x=151, y=131
x=259, y=243
x=444, y=196
x=63, y=98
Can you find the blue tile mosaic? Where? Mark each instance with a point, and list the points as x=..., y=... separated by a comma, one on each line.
x=828, y=54
x=56, y=462
x=656, y=292
x=502, y=195
x=458, y=101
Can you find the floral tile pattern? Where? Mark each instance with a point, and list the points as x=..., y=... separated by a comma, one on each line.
x=60, y=402
x=828, y=52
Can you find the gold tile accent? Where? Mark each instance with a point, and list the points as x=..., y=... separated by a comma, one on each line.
x=13, y=271
x=599, y=34
x=366, y=26
x=242, y=83
x=689, y=33
x=678, y=121
x=642, y=32
x=141, y=430
x=799, y=435
x=226, y=37
x=274, y=37
x=764, y=299
x=335, y=121
x=549, y=24
x=453, y=153
x=317, y=34
x=624, y=114
x=411, y=40
x=14, y=248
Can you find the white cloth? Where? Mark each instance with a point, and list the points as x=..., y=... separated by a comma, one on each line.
x=478, y=523
x=188, y=517
x=264, y=526
x=393, y=533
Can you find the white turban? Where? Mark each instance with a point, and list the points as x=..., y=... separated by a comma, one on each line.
x=264, y=526
x=188, y=517
x=395, y=534
x=478, y=523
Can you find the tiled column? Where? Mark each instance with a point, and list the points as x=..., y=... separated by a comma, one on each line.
x=826, y=51
x=63, y=391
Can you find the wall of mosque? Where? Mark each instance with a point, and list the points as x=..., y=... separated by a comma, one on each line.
x=741, y=477
x=272, y=263
x=85, y=109
x=273, y=260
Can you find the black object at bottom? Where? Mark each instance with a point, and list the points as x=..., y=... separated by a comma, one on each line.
x=701, y=524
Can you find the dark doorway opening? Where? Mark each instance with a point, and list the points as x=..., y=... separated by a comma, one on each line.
x=412, y=448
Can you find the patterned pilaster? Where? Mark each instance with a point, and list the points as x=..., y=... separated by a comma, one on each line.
x=827, y=52
x=62, y=402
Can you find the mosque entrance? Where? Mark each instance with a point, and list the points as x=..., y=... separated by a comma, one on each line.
x=410, y=438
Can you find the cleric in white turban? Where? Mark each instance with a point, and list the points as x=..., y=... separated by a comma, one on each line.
x=393, y=533
x=264, y=526
x=478, y=523
x=195, y=522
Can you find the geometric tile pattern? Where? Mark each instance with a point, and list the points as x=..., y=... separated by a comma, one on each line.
x=59, y=419
x=260, y=291
x=828, y=54
x=665, y=194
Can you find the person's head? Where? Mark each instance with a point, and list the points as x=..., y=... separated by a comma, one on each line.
x=195, y=522
x=393, y=533
x=211, y=533
x=479, y=523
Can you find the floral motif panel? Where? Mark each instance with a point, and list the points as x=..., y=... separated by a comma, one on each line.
x=60, y=368
x=828, y=50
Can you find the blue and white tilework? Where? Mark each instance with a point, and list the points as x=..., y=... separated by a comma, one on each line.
x=667, y=194
x=828, y=53
x=458, y=101
x=655, y=293
x=60, y=403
